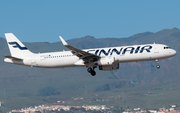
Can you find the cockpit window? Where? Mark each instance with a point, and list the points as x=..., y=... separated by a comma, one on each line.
x=166, y=47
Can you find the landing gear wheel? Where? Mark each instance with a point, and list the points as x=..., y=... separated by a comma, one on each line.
x=158, y=66
x=93, y=73
x=89, y=69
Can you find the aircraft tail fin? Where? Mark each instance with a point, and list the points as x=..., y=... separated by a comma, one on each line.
x=15, y=46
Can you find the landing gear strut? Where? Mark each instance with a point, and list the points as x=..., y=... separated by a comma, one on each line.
x=90, y=70
x=157, y=65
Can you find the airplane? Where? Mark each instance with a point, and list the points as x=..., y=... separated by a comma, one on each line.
x=106, y=59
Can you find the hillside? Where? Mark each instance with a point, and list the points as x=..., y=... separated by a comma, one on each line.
x=142, y=72
x=19, y=81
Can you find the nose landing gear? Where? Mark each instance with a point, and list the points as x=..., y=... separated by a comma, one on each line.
x=157, y=65
x=90, y=70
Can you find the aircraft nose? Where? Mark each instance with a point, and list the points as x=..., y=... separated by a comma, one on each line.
x=173, y=52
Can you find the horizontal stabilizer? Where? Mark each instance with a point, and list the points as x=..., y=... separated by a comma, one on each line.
x=13, y=58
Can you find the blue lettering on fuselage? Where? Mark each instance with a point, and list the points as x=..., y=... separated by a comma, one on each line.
x=96, y=52
x=137, y=49
x=121, y=51
x=131, y=49
x=117, y=52
x=147, y=48
x=105, y=53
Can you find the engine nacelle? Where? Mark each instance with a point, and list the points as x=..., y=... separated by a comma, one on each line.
x=106, y=61
x=115, y=66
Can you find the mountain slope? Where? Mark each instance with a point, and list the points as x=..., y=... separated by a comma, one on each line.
x=77, y=78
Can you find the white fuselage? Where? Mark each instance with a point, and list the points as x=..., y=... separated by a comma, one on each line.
x=121, y=54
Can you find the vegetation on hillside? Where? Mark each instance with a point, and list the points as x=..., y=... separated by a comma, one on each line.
x=25, y=86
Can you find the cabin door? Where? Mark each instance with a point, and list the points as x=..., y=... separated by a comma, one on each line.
x=156, y=49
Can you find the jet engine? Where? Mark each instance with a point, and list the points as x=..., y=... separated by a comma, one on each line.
x=106, y=61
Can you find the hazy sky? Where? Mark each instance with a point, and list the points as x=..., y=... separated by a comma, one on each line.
x=45, y=20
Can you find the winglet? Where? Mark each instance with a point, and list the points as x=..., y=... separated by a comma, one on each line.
x=63, y=41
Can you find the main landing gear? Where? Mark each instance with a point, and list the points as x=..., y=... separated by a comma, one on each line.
x=91, y=70
x=157, y=65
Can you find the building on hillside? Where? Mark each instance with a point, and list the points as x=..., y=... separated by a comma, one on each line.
x=57, y=105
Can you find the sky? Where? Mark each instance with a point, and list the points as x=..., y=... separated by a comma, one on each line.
x=46, y=20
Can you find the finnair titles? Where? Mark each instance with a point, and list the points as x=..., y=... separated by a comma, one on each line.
x=106, y=59
x=121, y=51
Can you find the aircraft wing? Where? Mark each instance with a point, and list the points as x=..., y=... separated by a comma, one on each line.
x=79, y=53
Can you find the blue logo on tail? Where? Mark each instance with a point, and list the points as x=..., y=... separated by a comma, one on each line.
x=16, y=45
